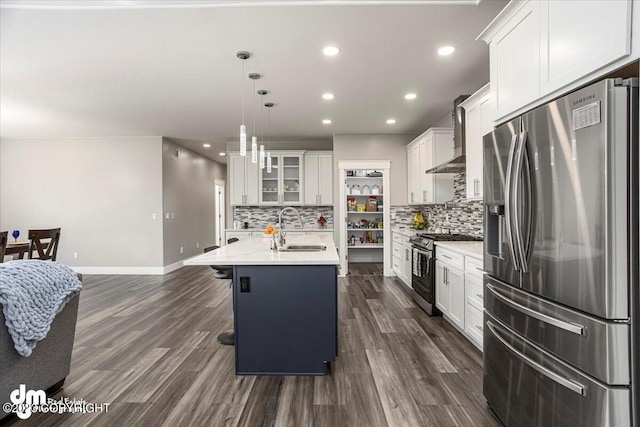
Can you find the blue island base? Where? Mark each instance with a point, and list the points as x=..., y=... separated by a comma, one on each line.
x=286, y=319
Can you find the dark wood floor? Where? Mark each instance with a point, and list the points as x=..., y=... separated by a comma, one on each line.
x=147, y=345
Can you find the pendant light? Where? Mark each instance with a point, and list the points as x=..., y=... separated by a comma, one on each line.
x=254, y=138
x=243, y=56
x=262, y=93
x=269, y=105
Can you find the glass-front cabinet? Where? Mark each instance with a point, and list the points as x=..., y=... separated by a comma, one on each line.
x=283, y=186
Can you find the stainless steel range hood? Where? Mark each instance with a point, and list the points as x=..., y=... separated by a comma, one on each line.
x=459, y=162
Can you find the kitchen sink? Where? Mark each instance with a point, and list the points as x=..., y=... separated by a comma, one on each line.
x=303, y=248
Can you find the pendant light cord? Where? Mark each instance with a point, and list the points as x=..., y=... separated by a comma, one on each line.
x=242, y=87
x=262, y=118
x=254, y=107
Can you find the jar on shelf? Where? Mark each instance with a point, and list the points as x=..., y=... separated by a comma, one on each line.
x=366, y=189
x=356, y=189
x=348, y=189
x=375, y=189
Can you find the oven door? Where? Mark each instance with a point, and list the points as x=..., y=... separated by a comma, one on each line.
x=422, y=273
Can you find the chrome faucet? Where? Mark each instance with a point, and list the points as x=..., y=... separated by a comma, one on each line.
x=280, y=231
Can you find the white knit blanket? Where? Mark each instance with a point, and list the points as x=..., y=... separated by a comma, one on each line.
x=32, y=292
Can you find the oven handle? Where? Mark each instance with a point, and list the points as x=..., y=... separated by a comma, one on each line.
x=421, y=252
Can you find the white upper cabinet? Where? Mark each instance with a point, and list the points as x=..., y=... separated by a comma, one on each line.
x=243, y=180
x=514, y=55
x=413, y=166
x=430, y=149
x=318, y=179
x=284, y=185
x=581, y=37
x=539, y=49
x=477, y=124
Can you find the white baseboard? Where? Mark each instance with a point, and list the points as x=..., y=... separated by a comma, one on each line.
x=157, y=271
x=120, y=270
x=173, y=267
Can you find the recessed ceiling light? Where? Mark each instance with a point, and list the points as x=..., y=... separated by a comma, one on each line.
x=222, y=154
x=391, y=121
x=331, y=50
x=327, y=96
x=410, y=96
x=326, y=121
x=206, y=145
x=446, y=50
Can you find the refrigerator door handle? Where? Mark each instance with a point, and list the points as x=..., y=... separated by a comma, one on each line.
x=508, y=203
x=569, y=327
x=522, y=149
x=565, y=382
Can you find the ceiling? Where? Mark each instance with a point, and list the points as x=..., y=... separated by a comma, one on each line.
x=68, y=70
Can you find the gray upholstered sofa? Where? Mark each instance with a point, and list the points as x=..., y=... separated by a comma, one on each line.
x=50, y=362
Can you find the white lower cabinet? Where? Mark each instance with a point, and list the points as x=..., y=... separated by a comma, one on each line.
x=450, y=292
x=459, y=292
x=401, y=257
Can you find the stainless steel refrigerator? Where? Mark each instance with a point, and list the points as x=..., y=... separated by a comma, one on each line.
x=561, y=318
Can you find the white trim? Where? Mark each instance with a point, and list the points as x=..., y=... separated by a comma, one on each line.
x=364, y=164
x=173, y=267
x=120, y=270
x=191, y=4
x=145, y=271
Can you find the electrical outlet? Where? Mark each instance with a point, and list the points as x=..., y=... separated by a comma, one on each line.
x=245, y=284
x=181, y=250
x=154, y=216
x=197, y=245
x=75, y=255
x=167, y=215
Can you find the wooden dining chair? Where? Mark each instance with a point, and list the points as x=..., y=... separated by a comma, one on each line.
x=46, y=250
x=3, y=244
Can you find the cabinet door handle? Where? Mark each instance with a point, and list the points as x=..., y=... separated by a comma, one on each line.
x=479, y=328
x=406, y=254
x=445, y=256
x=480, y=296
x=412, y=197
x=424, y=195
x=446, y=282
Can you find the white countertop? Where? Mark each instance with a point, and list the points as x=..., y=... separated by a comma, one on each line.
x=472, y=249
x=256, y=251
x=407, y=232
x=247, y=230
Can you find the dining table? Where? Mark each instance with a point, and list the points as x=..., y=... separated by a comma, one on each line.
x=17, y=248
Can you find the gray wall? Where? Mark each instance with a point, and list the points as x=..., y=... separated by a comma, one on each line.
x=188, y=198
x=102, y=192
x=375, y=147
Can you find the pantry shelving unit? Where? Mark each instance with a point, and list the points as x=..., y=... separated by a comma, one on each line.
x=364, y=234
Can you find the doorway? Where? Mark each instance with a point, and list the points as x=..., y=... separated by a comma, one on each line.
x=219, y=212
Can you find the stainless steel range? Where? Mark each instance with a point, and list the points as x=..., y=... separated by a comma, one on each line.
x=423, y=268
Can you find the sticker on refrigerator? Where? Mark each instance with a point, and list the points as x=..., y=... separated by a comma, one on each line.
x=586, y=116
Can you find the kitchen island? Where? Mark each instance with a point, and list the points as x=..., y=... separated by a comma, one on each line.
x=285, y=304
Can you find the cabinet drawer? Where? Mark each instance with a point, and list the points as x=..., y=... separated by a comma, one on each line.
x=473, y=266
x=450, y=258
x=397, y=265
x=473, y=291
x=397, y=238
x=473, y=323
x=398, y=250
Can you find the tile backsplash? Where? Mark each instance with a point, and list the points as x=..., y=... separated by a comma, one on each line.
x=459, y=216
x=261, y=217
